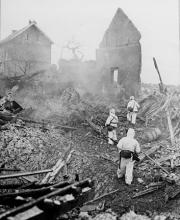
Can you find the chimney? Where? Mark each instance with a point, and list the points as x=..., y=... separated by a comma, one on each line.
x=14, y=31
x=32, y=22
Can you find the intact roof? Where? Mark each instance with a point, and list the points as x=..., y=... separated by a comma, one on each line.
x=18, y=32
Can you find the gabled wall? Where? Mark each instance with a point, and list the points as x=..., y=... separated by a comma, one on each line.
x=120, y=49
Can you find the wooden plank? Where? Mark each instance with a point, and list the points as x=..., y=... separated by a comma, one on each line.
x=34, y=192
x=170, y=127
x=95, y=127
x=15, y=175
x=147, y=191
x=152, y=150
x=9, y=169
x=103, y=196
x=158, y=165
x=157, y=69
x=61, y=191
x=58, y=166
x=30, y=179
x=29, y=214
x=163, y=159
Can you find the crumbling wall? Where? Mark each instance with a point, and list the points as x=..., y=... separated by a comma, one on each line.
x=120, y=49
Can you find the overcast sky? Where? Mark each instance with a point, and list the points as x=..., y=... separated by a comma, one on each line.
x=85, y=21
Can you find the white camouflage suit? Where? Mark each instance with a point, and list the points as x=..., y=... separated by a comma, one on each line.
x=131, y=116
x=113, y=121
x=126, y=165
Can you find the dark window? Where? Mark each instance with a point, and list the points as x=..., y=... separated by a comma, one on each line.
x=27, y=36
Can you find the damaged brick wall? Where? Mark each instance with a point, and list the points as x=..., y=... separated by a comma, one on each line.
x=120, y=50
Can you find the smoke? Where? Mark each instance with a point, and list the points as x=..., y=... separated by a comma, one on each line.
x=82, y=75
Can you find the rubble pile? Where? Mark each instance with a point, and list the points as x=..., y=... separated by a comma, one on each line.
x=154, y=110
x=32, y=146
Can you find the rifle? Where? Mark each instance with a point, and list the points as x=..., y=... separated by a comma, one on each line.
x=135, y=157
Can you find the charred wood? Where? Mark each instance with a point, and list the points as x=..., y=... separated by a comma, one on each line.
x=58, y=166
x=58, y=192
x=152, y=150
x=24, y=174
x=147, y=191
x=35, y=192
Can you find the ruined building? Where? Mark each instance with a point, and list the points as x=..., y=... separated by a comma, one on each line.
x=25, y=51
x=119, y=56
x=118, y=61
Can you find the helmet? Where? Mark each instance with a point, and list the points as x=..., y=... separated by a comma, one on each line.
x=112, y=111
x=131, y=132
x=131, y=97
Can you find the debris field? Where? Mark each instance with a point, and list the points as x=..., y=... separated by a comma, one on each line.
x=77, y=150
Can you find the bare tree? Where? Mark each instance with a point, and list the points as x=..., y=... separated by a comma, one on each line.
x=75, y=49
x=22, y=67
x=20, y=61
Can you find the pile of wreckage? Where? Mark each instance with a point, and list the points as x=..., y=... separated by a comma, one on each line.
x=8, y=110
x=41, y=199
x=38, y=198
x=158, y=129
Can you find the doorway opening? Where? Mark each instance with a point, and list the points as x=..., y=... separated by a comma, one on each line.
x=114, y=75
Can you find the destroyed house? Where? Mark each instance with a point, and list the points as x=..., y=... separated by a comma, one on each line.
x=119, y=55
x=25, y=51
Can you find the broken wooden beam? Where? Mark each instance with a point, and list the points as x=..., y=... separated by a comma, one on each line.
x=170, y=127
x=52, y=209
x=34, y=192
x=58, y=166
x=157, y=69
x=147, y=191
x=157, y=164
x=170, y=157
x=31, y=213
x=45, y=123
x=171, y=192
x=95, y=127
x=176, y=129
x=152, y=150
x=34, y=185
x=103, y=196
x=6, y=116
x=15, y=175
x=59, y=192
x=30, y=179
x=9, y=169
